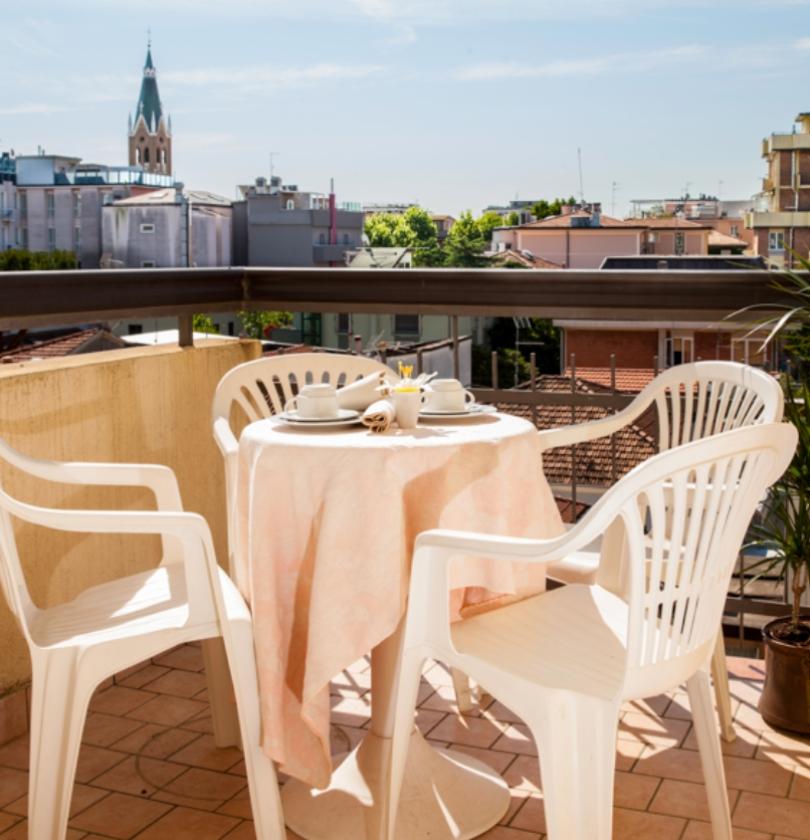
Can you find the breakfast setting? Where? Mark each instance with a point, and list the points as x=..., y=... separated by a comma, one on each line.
x=379, y=402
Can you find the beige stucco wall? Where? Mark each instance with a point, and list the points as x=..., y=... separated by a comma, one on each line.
x=149, y=405
x=585, y=248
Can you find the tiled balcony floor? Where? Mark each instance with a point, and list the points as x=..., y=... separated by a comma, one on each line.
x=148, y=768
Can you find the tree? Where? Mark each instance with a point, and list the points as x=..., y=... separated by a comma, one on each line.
x=487, y=223
x=465, y=244
x=513, y=218
x=413, y=229
x=18, y=259
x=203, y=324
x=259, y=324
x=541, y=209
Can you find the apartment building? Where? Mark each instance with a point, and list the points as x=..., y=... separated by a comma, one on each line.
x=278, y=224
x=781, y=219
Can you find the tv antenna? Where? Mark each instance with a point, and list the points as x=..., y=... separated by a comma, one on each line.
x=579, y=164
x=614, y=187
x=272, y=155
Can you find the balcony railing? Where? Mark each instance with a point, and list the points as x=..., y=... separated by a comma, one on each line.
x=64, y=297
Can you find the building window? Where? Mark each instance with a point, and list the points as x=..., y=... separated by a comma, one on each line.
x=322, y=238
x=679, y=242
x=680, y=349
x=138, y=156
x=346, y=239
x=147, y=263
x=135, y=329
x=147, y=227
x=734, y=230
x=51, y=239
x=749, y=350
x=406, y=325
x=23, y=205
x=344, y=323
x=77, y=203
x=50, y=204
x=776, y=240
x=24, y=238
x=146, y=155
x=290, y=204
x=77, y=239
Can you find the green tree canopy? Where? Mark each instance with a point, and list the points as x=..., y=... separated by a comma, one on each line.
x=258, y=324
x=18, y=259
x=413, y=229
x=541, y=209
x=488, y=222
x=465, y=244
x=513, y=218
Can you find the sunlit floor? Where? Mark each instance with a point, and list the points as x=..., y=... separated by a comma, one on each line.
x=149, y=770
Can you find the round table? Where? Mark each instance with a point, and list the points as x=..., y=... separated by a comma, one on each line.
x=326, y=522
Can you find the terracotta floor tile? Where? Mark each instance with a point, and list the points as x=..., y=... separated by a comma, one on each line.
x=13, y=784
x=155, y=741
x=632, y=790
x=244, y=831
x=103, y=730
x=517, y=798
x=640, y=825
x=357, y=683
x=186, y=657
x=188, y=824
x=530, y=816
x=342, y=739
x=201, y=723
x=743, y=746
x=15, y=753
x=169, y=711
x=7, y=820
x=13, y=715
x=473, y=731
x=800, y=787
x=83, y=796
x=93, y=761
x=503, y=714
x=785, y=742
x=627, y=753
x=119, y=700
x=502, y=832
x=685, y=799
x=142, y=674
x=772, y=814
x=523, y=773
x=202, y=790
x=179, y=683
x=120, y=816
x=655, y=706
x=703, y=831
x=516, y=738
x=741, y=773
x=427, y=719
x=139, y=776
x=650, y=729
x=20, y=832
x=238, y=806
x=438, y=674
x=443, y=699
x=205, y=753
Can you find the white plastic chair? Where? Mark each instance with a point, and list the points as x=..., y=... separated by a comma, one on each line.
x=77, y=645
x=565, y=660
x=690, y=402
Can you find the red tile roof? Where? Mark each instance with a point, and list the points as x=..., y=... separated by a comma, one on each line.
x=594, y=459
x=628, y=380
x=565, y=222
x=67, y=345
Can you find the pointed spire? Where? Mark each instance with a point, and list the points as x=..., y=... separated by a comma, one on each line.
x=149, y=106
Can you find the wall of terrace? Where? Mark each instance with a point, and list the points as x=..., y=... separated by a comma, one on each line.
x=147, y=405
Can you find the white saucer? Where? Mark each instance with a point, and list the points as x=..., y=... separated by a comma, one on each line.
x=345, y=417
x=473, y=410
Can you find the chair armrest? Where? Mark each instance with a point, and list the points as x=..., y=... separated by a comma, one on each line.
x=159, y=479
x=225, y=438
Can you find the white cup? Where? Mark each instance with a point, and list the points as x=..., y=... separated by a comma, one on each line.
x=407, y=405
x=448, y=395
x=315, y=402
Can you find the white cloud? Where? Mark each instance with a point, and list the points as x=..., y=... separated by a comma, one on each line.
x=593, y=65
x=31, y=108
x=802, y=44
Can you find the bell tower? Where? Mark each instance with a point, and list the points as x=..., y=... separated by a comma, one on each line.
x=150, y=130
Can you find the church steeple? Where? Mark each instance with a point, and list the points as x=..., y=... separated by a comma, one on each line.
x=150, y=141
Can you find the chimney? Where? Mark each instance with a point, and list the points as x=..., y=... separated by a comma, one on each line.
x=567, y=209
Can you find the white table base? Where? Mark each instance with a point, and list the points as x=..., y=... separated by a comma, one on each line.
x=446, y=795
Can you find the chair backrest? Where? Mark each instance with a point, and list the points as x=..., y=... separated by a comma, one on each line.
x=697, y=400
x=262, y=387
x=684, y=514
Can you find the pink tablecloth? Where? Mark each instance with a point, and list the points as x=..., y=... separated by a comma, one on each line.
x=326, y=526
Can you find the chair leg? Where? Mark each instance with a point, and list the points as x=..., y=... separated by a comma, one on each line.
x=265, y=801
x=58, y=708
x=576, y=740
x=405, y=691
x=463, y=690
x=721, y=692
x=711, y=757
x=220, y=694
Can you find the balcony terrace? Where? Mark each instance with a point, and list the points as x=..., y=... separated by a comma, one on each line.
x=148, y=768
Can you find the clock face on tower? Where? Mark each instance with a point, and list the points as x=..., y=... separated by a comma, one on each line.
x=150, y=134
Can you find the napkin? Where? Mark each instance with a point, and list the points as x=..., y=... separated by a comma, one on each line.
x=359, y=395
x=379, y=415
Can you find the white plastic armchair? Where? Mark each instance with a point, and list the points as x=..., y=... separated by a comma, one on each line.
x=108, y=627
x=690, y=402
x=565, y=660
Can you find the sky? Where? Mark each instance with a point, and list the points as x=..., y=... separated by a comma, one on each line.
x=454, y=104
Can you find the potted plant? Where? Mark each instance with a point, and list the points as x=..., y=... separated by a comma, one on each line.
x=784, y=531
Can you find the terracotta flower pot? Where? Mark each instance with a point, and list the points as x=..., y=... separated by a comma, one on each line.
x=785, y=700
